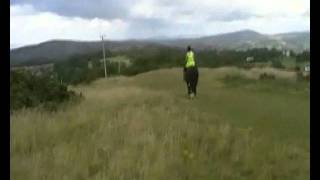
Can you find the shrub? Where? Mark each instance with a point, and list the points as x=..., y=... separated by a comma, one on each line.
x=297, y=68
x=265, y=76
x=277, y=64
x=30, y=90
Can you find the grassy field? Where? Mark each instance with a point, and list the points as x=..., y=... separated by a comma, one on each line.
x=144, y=127
x=290, y=63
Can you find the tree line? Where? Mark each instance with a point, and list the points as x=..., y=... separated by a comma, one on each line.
x=76, y=70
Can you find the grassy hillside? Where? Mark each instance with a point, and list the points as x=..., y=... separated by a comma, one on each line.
x=144, y=127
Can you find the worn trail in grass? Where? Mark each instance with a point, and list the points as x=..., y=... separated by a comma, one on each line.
x=144, y=127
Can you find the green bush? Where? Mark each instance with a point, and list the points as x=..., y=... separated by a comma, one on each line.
x=297, y=68
x=30, y=90
x=265, y=76
x=303, y=57
x=75, y=70
x=277, y=64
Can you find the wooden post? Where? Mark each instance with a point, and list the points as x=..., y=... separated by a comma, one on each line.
x=104, y=59
x=119, y=67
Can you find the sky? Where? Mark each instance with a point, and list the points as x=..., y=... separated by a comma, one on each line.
x=36, y=21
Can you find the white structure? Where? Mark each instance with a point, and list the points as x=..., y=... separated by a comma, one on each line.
x=307, y=68
x=279, y=47
x=286, y=53
x=249, y=59
x=269, y=47
x=306, y=72
x=90, y=65
x=126, y=62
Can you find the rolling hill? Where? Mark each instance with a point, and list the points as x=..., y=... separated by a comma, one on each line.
x=58, y=50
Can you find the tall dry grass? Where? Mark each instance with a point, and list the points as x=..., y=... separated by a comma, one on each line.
x=139, y=128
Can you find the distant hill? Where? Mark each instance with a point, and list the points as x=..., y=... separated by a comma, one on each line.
x=59, y=50
x=246, y=39
x=298, y=40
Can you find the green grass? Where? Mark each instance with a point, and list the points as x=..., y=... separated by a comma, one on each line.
x=288, y=62
x=144, y=127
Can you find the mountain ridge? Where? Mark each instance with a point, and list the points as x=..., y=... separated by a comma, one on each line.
x=59, y=49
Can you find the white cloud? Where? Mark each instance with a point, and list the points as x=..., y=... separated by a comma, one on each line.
x=29, y=27
x=269, y=25
x=147, y=18
x=143, y=9
x=192, y=12
x=20, y=10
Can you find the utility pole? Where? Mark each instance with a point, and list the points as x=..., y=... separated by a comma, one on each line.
x=104, y=58
x=119, y=67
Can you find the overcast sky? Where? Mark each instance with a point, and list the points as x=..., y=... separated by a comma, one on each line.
x=35, y=21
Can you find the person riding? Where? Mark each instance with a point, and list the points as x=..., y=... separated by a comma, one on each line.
x=191, y=73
